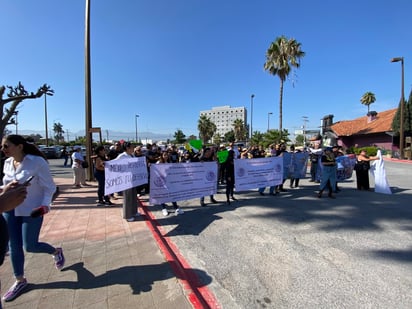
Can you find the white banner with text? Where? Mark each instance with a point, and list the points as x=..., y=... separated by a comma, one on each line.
x=124, y=174
x=172, y=182
x=258, y=173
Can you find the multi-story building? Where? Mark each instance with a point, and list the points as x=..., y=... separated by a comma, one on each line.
x=224, y=116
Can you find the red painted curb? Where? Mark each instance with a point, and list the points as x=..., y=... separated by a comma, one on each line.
x=199, y=296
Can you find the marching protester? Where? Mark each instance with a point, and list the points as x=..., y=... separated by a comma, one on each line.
x=25, y=221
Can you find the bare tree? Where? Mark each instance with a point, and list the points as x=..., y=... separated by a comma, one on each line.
x=15, y=96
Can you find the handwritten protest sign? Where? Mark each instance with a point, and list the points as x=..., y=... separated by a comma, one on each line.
x=258, y=173
x=172, y=182
x=124, y=174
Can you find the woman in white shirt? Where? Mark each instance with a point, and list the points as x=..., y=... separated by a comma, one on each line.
x=26, y=160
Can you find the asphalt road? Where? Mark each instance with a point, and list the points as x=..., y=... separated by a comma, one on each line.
x=298, y=251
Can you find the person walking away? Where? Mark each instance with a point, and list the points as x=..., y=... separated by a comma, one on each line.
x=328, y=172
x=99, y=159
x=65, y=156
x=362, y=167
x=26, y=160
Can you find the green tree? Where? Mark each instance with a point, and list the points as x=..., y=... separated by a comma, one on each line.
x=299, y=139
x=230, y=136
x=217, y=138
x=179, y=137
x=58, y=132
x=282, y=56
x=367, y=99
x=15, y=96
x=239, y=130
x=206, y=128
x=274, y=137
x=407, y=117
x=257, y=138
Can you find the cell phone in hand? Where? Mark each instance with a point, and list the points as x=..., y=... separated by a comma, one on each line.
x=28, y=180
x=38, y=212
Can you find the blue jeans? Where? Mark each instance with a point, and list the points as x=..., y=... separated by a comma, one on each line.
x=24, y=232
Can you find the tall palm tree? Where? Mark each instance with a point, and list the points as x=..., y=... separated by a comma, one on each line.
x=206, y=128
x=281, y=57
x=368, y=98
x=239, y=129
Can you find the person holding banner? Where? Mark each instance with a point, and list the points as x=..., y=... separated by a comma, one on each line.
x=130, y=195
x=165, y=158
x=328, y=172
x=222, y=156
x=362, y=170
x=207, y=156
x=230, y=176
x=99, y=159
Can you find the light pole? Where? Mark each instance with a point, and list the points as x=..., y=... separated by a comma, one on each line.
x=401, y=138
x=270, y=113
x=88, y=91
x=251, y=116
x=47, y=92
x=135, y=125
x=305, y=120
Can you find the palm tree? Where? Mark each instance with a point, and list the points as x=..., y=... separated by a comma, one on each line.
x=206, y=128
x=58, y=132
x=367, y=99
x=281, y=57
x=239, y=129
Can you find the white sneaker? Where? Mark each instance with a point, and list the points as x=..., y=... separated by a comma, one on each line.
x=179, y=211
x=131, y=219
x=165, y=212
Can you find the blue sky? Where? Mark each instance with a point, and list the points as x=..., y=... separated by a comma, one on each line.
x=167, y=60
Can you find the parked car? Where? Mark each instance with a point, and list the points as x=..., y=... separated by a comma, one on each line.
x=51, y=152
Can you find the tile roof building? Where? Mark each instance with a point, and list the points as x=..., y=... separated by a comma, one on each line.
x=373, y=129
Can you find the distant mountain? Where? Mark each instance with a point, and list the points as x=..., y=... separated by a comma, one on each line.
x=107, y=135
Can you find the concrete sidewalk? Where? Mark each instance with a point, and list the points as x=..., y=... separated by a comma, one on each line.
x=110, y=263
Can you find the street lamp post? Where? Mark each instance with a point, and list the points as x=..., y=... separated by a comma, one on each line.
x=270, y=113
x=46, y=93
x=401, y=138
x=135, y=124
x=88, y=91
x=251, y=116
x=305, y=120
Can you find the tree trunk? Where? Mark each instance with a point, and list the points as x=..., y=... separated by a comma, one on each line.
x=280, y=108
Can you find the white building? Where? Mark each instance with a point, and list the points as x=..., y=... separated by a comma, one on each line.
x=224, y=116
